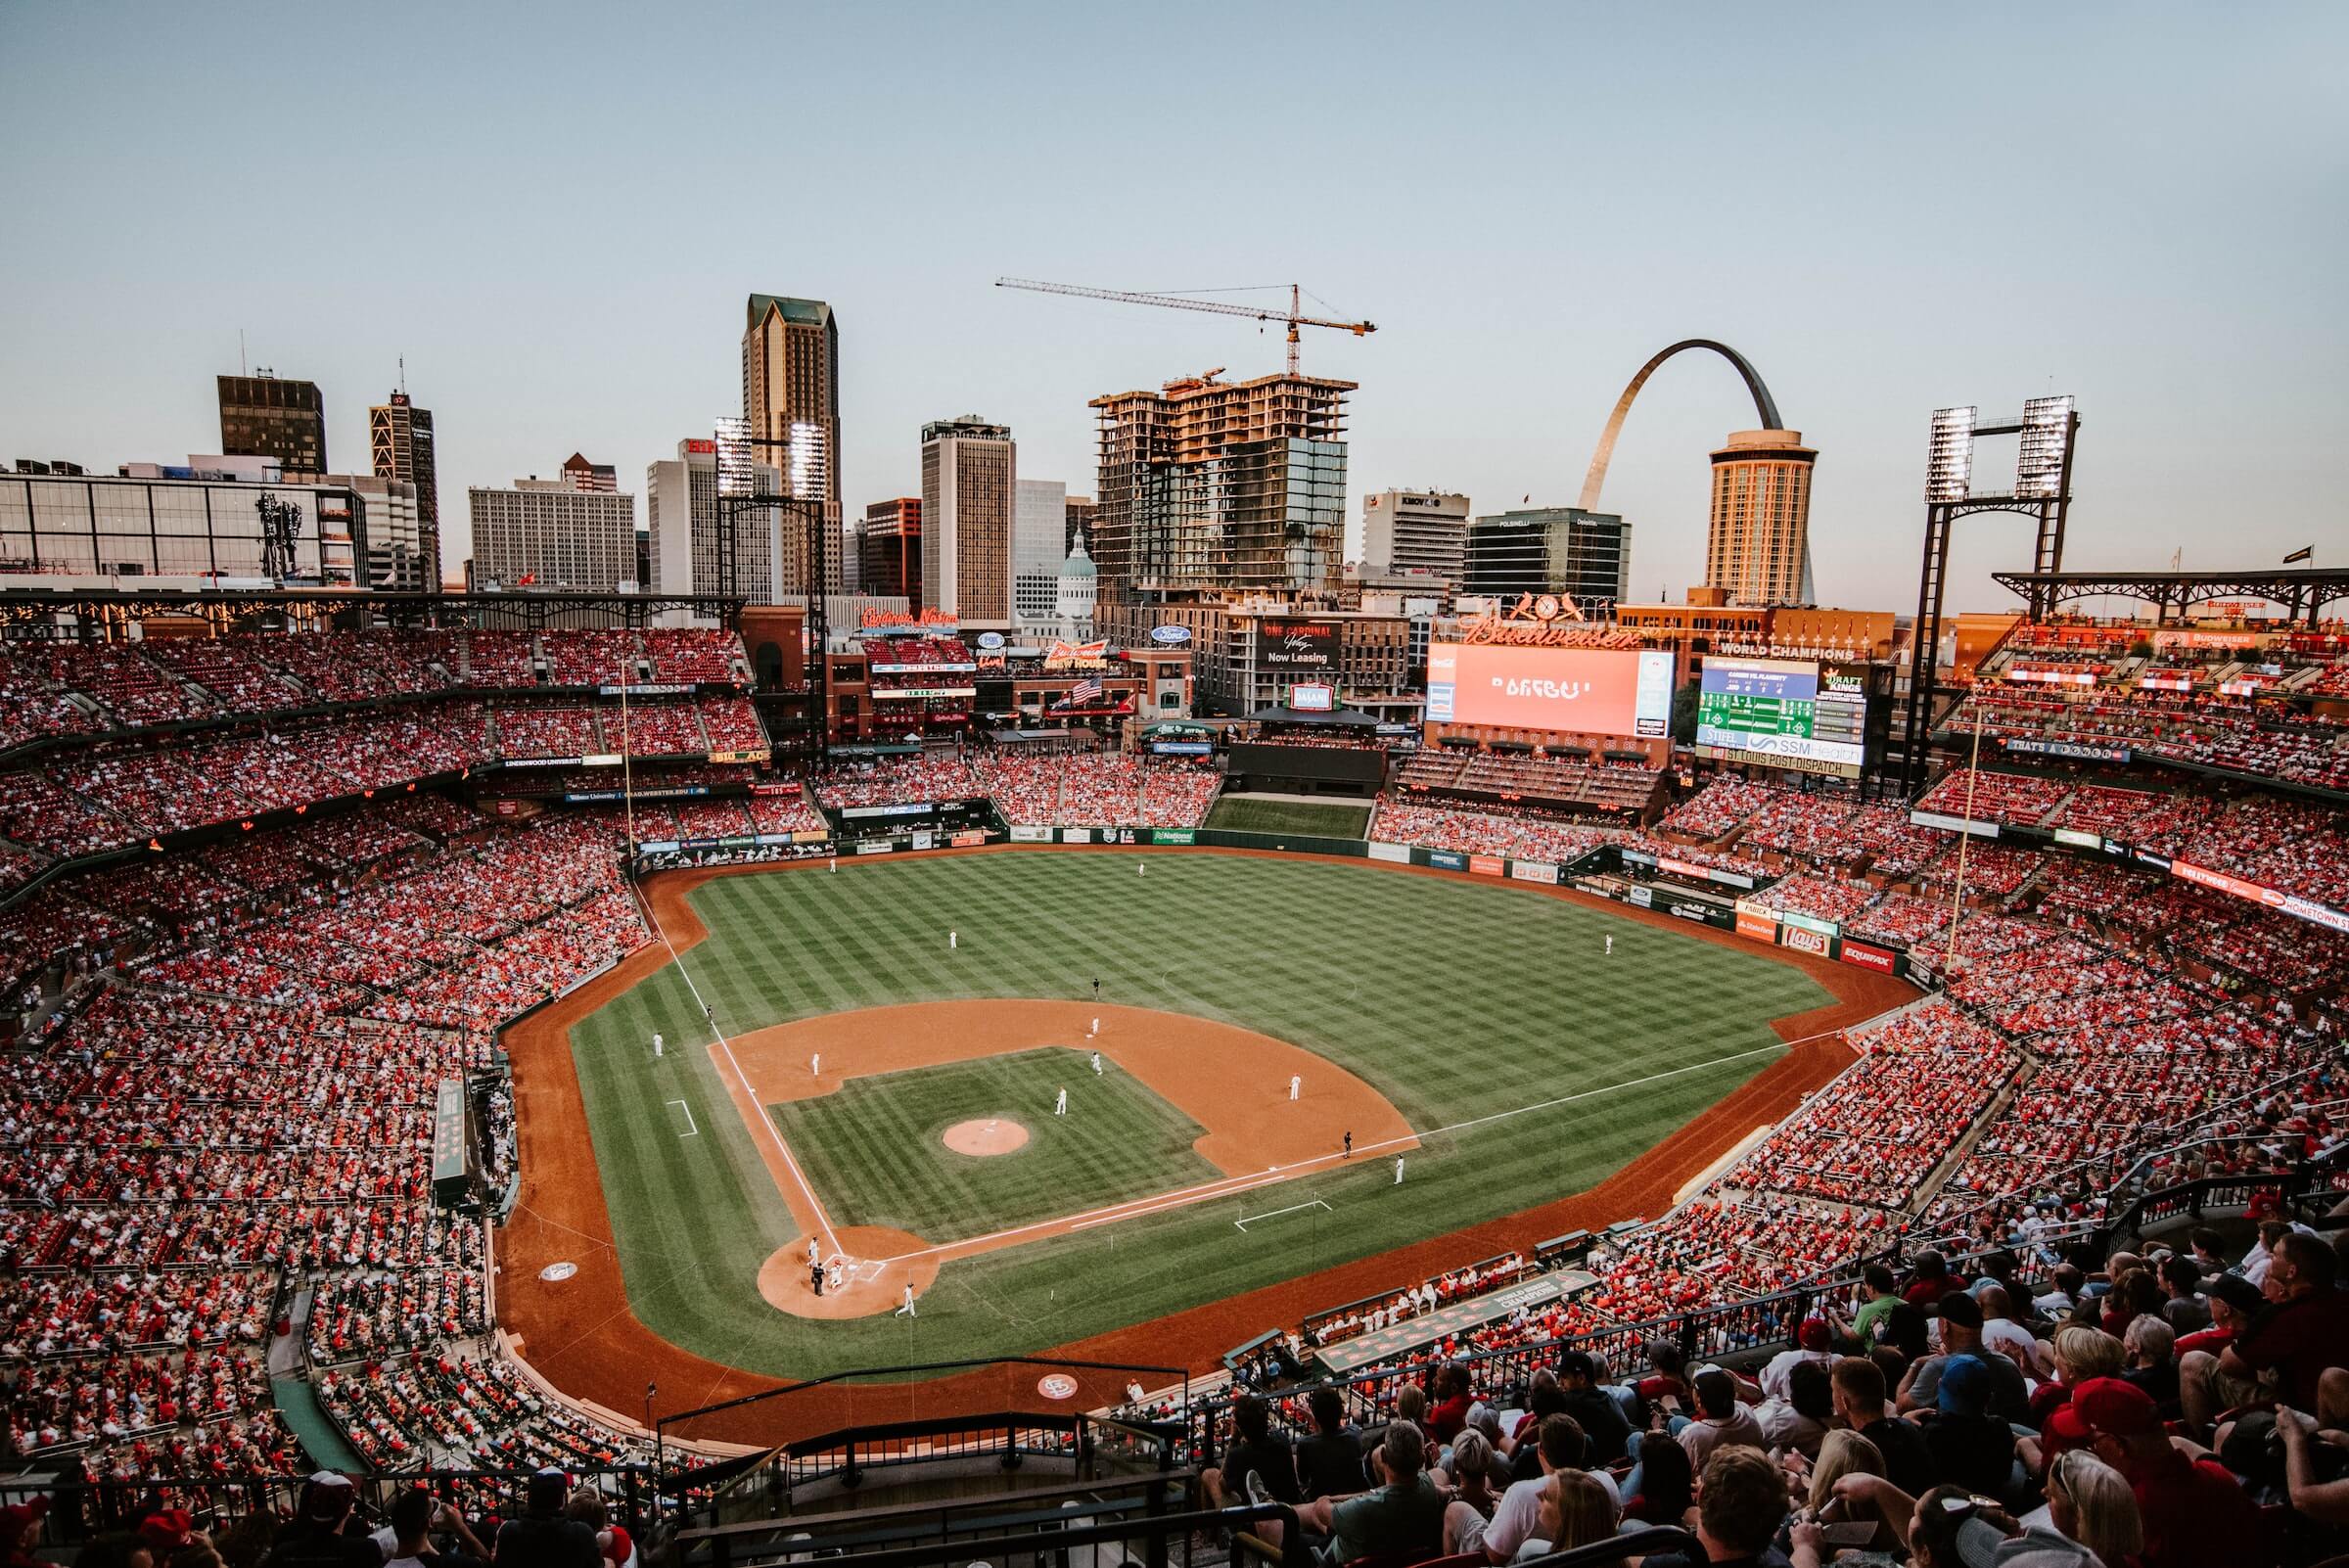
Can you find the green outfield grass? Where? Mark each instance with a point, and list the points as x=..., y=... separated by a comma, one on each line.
x=872, y=1148
x=1461, y=1002
x=1327, y=819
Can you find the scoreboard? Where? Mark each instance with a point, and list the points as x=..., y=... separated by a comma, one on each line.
x=1783, y=713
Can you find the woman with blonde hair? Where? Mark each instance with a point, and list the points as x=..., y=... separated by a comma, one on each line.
x=2081, y=1353
x=1576, y=1510
x=2093, y=1504
x=1843, y=1453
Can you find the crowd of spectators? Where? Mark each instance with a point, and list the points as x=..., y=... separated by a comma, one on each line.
x=1520, y=832
x=1095, y=789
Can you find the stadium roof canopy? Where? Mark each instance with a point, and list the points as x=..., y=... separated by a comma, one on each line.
x=2303, y=591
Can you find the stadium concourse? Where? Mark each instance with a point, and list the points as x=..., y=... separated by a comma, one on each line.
x=269, y=895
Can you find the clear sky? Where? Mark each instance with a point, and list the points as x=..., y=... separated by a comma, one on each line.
x=555, y=213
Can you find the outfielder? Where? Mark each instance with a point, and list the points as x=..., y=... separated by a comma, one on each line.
x=953, y=940
x=1610, y=946
x=1398, y=1170
x=657, y=1047
x=1060, y=1106
x=1096, y=1064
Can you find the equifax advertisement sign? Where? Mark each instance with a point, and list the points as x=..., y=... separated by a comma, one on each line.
x=1860, y=955
x=1597, y=691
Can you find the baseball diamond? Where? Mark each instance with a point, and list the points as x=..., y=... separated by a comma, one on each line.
x=1392, y=996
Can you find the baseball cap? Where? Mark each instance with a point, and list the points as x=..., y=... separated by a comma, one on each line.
x=1813, y=1334
x=1964, y=1386
x=330, y=1496
x=1981, y=1545
x=2115, y=1409
x=2236, y=1291
x=168, y=1530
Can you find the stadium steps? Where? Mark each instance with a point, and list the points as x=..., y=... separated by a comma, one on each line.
x=1938, y=1177
x=318, y=1435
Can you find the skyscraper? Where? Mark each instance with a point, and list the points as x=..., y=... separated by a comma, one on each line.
x=1414, y=531
x=401, y=436
x=970, y=471
x=791, y=376
x=889, y=551
x=1564, y=550
x=553, y=534
x=1222, y=487
x=582, y=474
x=1758, y=542
x=261, y=416
x=1040, y=523
x=680, y=504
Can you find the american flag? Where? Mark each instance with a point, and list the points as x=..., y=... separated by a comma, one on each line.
x=1087, y=690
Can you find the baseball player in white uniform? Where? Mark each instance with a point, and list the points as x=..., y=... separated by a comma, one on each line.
x=1296, y=1083
x=1060, y=1106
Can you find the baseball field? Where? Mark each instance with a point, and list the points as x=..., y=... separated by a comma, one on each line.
x=885, y=1047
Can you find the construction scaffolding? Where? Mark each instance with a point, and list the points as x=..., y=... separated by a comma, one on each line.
x=1222, y=487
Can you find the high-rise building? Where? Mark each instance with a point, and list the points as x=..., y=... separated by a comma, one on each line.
x=1081, y=524
x=791, y=377
x=401, y=436
x=680, y=505
x=1040, y=523
x=261, y=416
x=889, y=551
x=581, y=475
x=1222, y=487
x=1563, y=550
x=215, y=520
x=970, y=473
x=554, y=534
x=1406, y=531
x=1758, y=544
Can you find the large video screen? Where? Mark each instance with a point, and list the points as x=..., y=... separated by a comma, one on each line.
x=1782, y=713
x=1597, y=691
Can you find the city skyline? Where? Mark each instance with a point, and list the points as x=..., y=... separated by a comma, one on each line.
x=2139, y=210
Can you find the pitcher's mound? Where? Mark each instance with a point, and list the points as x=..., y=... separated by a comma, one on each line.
x=986, y=1137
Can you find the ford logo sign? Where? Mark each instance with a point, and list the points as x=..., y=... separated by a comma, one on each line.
x=990, y=639
x=1169, y=636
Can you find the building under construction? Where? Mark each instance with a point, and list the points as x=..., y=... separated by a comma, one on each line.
x=1212, y=486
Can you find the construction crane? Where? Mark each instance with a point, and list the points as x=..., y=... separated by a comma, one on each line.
x=1293, y=316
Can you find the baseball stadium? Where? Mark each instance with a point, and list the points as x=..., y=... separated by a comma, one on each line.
x=459, y=1038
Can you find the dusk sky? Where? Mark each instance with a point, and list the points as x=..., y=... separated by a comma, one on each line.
x=554, y=215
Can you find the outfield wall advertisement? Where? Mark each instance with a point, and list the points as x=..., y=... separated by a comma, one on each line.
x=1591, y=691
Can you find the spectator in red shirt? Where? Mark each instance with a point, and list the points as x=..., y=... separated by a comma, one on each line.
x=2234, y=1302
x=1930, y=1280
x=2195, y=1513
x=2304, y=1331
x=1450, y=1413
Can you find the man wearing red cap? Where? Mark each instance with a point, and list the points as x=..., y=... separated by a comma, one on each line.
x=2194, y=1512
x=19, y=1522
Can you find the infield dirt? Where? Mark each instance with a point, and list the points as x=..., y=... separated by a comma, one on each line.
x=580, y=1334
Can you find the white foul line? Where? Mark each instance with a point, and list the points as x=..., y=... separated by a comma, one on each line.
x=690, y=1130
x=1232, y=1185
x=823, y=1221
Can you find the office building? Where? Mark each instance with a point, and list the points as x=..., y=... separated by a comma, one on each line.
x=970, y=473
x=1758, y=542
x=581, y=475
x=550, y=534
x=261, y=416
x=791, y=377
x=681, y=535
x=1406, y=532
x=203, y=524
x=401, y=436
x=1247, y=655
x=889, y=551
x=1039, y=525
x=1081, y=524
x=1222, y=487
x=1562, y=550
